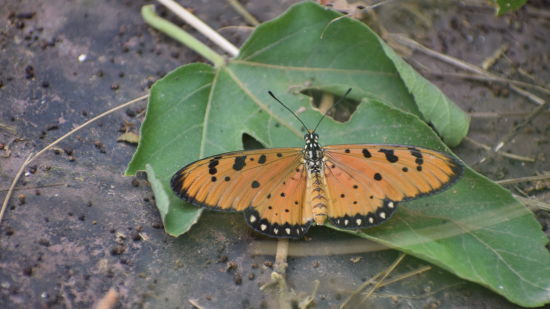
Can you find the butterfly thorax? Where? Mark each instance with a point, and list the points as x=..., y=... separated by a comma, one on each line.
x=313, y=154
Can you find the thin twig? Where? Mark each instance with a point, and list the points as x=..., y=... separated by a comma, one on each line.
x=489, y=61
x=33, y=157
x=501, y=114
x=532, y=203
x=244, y=12
x=523, y=179
x=306, y=302
x=536, y=112
x=34, y=187
x=360, y=289
x=491, y=78
x=10, y=129
x=203, y=28
x=461, y=64
x=502, y=153
x=388, y=271
x=195, y=303
x=406, y=275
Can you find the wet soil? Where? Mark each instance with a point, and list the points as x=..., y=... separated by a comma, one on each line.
x=76, y=227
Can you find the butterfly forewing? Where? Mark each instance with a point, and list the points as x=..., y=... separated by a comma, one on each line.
x=267, y=184
x=367, y=181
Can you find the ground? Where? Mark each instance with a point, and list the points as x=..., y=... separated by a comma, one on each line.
x=76, y=227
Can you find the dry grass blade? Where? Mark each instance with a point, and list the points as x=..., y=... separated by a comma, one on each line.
x=522, y=179
x=244, y=13
x=57, y=141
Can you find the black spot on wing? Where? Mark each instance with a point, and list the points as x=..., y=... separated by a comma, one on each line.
x=390, y=156
x=366, y=153
x=377, y=176
x=255, y=184
x=262, y=159
x=239, y=163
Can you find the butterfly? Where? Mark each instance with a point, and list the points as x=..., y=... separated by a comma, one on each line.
x=284, y=191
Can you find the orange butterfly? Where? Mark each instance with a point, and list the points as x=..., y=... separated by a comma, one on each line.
x=283, y=191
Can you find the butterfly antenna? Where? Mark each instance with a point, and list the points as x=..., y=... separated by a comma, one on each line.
x=292, y=112
x=333, y=106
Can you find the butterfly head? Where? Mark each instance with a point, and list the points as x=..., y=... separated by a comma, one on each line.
x=311, y=137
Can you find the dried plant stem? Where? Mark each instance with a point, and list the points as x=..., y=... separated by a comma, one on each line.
x=244, y=13
x=533, y=204
x=461, y=64
x=387, y=272
x=203, y=28
x=377, y=280
x=281, y=256
x=523, y=179
x=31, y=158
x=12, y=186
x=504, y=154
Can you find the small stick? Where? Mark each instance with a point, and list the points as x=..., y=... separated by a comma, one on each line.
x=195, y=303
x=244, y=13
x=306, y=302
x=501, y=114
x=487, y=63
x=406, y=275
x=461, y=64
x=281, y=256
x=35, y=187
x=108, y=301
x=504, y=154
x=532, y=203
x=523, y=179
x=360, y=288
x=203, y=28
x=386, y=273
x=536, y=112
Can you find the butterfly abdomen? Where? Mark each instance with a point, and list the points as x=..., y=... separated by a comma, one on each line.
x=317, y=199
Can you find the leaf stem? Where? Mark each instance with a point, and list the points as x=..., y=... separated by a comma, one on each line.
x=168, y=28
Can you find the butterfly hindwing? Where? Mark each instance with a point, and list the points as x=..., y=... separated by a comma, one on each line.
x=366, y=182
x=268, y=184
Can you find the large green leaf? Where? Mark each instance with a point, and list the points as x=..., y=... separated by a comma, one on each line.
x=198, y=110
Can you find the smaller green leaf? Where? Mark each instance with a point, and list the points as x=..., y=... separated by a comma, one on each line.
x=451, y=122
x=177, y=220
x=505, y=6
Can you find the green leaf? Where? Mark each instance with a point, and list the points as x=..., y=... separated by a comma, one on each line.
x=198, y=110
x=505, y=6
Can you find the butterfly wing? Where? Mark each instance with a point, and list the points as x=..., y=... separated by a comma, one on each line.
x=267, y=184
x=366, y=182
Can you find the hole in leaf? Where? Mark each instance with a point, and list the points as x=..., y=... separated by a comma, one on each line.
x=250, y=142
x=324, y=100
